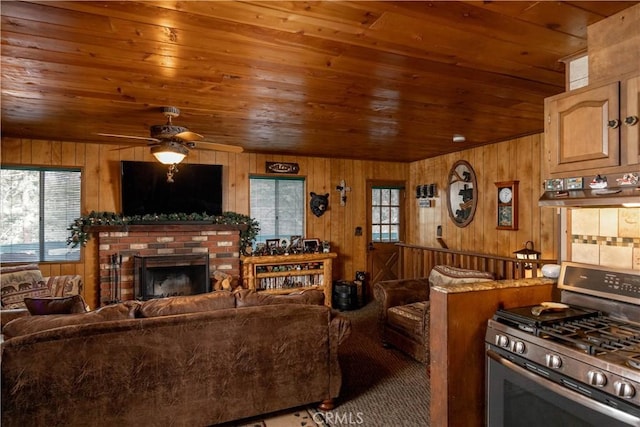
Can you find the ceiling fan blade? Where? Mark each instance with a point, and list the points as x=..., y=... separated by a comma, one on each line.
x=189, y=136
x=144, y=138
x=124, y=147
x=214, y=146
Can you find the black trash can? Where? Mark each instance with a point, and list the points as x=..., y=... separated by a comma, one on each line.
x=345, y=295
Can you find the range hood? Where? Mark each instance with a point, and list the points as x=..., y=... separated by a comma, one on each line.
x=570, y=192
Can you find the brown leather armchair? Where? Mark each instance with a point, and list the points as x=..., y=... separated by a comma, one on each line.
x=405, y=307
x=404, y=315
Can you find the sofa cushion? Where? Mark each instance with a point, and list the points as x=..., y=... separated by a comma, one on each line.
x=64, y=285
x=251, y=298
x=215, y=300
x=443, y=275
x=408, y=318
x=55, y=305
x=31, y=324
x=21, y=281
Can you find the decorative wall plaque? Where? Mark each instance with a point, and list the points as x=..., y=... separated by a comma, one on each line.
x=282, y=167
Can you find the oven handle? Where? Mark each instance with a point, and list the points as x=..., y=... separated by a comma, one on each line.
x=614, y=413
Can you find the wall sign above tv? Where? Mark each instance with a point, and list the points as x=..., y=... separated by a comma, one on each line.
x=282, y=167
x=145, y=190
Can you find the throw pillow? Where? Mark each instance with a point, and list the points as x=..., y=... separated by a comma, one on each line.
x=442, y=275
x=215, y=300
x=21, y=281
x=32, y=324
x=64, y=285
x=250, y=298
x=55, y=305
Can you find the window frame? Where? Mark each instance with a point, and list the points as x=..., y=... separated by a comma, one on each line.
x=301, y=178
x=380, y=223
x=41, y=219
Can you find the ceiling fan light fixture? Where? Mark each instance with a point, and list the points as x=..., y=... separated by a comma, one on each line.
x=169, y=153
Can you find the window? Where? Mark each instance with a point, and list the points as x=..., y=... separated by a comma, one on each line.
x=385, y=214
x=38, y=205
x=278, y=206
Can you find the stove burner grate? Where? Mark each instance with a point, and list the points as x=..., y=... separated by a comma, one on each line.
x=596, y=336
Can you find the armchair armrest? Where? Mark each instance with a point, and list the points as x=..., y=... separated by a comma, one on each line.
x=391, y=293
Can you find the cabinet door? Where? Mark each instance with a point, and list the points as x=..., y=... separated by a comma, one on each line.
x=630, y=126
x=577, y=131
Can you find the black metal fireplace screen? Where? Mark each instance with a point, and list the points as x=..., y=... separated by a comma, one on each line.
x=162, y=276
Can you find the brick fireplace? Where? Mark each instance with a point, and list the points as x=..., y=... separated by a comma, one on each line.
x=221, y=242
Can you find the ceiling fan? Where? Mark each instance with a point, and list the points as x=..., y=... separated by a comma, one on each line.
x=170, y=143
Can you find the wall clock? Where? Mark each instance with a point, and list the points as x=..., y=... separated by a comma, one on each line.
x=507, y=205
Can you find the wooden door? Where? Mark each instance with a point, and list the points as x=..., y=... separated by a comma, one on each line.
x=582, y=129
x=385, y=228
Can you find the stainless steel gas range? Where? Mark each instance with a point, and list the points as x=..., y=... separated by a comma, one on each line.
x=572, y=363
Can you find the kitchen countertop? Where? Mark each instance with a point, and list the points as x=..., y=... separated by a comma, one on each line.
x=496, y=284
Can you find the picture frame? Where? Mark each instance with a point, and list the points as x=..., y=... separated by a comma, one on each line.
x=311, y=245
x=295, y=242
x=272, y=243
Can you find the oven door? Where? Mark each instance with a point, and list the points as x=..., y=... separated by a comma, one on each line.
x=517, y=397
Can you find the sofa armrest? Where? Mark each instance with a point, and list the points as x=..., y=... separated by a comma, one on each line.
x=340, y=328
x=7, y=315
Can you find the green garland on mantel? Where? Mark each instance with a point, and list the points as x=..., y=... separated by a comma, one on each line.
x=80, y=231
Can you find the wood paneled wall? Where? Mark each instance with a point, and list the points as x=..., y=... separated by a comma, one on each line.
x=517, y=159
x=101, y=190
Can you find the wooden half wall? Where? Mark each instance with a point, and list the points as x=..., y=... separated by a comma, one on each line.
x=101, y=192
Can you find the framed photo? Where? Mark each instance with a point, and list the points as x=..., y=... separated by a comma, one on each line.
x=295, y=242
x=311, y=245
x=273, y=243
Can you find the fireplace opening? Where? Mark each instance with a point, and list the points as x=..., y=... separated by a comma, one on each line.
x=162, y=276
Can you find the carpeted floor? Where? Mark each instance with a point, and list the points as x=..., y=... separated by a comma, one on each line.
x=381, y=387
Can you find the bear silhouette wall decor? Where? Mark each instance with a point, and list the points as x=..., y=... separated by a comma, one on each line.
x=319, y=203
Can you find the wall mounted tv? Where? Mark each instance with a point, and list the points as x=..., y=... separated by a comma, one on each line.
x=145, y=190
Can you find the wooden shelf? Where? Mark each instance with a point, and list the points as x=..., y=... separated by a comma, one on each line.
x=289, y=290
x=287, y=272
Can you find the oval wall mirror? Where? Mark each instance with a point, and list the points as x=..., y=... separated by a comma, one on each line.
x=462, y=193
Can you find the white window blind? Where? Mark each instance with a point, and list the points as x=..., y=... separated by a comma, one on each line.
x=37, y=207
x=278, y=206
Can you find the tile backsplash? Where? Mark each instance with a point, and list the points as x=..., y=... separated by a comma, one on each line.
x=606, y=236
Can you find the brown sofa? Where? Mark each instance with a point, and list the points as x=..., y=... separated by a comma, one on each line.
x=181, y=361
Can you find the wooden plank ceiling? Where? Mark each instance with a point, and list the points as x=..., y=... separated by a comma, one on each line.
x=367, y=80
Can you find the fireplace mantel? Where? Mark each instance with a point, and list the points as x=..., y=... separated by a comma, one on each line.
x=166, y=226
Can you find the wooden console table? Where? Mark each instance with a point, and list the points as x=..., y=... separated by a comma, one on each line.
x=283, y=274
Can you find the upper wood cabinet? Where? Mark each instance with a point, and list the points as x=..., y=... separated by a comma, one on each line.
x=592, y=130
x=630, y=118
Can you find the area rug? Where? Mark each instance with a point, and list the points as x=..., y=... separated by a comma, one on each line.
x=301, y=417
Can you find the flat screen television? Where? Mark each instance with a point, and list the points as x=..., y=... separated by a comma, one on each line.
x=145, y=190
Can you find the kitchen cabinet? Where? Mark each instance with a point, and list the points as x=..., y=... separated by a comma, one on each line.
x=631, y=132
x=592, y=130
x=283, y=274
